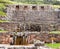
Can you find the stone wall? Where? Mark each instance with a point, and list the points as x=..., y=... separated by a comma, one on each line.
x=2, y=17
x=31, y=13
x=46, y=37
x=8, y=26
x=43, y=16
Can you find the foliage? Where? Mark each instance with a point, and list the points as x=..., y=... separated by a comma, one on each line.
x=2, y=13
x=3, y=4
x=54, y=2
x=55, y=45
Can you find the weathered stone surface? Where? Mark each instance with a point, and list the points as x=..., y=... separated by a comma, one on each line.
x=44, y=16
x=31, y=13
x=45, y=37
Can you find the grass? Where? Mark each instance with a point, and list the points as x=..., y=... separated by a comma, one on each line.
x=1, y=21
x=55, y=32
x=3, y=31
x=55, y=45
x=2, y=13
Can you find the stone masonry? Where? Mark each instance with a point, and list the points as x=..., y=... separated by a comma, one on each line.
x=33, y=16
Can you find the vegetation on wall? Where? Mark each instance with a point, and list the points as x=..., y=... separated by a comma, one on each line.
x=54, y=2
x=3, y=4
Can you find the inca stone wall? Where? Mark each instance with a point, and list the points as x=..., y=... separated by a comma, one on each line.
x=8, y=26
x=31, y=13
x=43, y=16
x=2, y=17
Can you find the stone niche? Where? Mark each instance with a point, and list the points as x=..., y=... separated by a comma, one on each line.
x=17, y=7
x=25, y=8
x=34, y=7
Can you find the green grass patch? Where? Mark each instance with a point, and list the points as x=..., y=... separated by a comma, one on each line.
x=55, y=45
x=4, y=21
x=2, y=13
x=3, y=31
x=55, y=32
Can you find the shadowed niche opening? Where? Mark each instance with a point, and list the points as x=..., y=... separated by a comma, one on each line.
x=42, y=7
x=17, y=7
x=25, y=7
x=34, y=7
